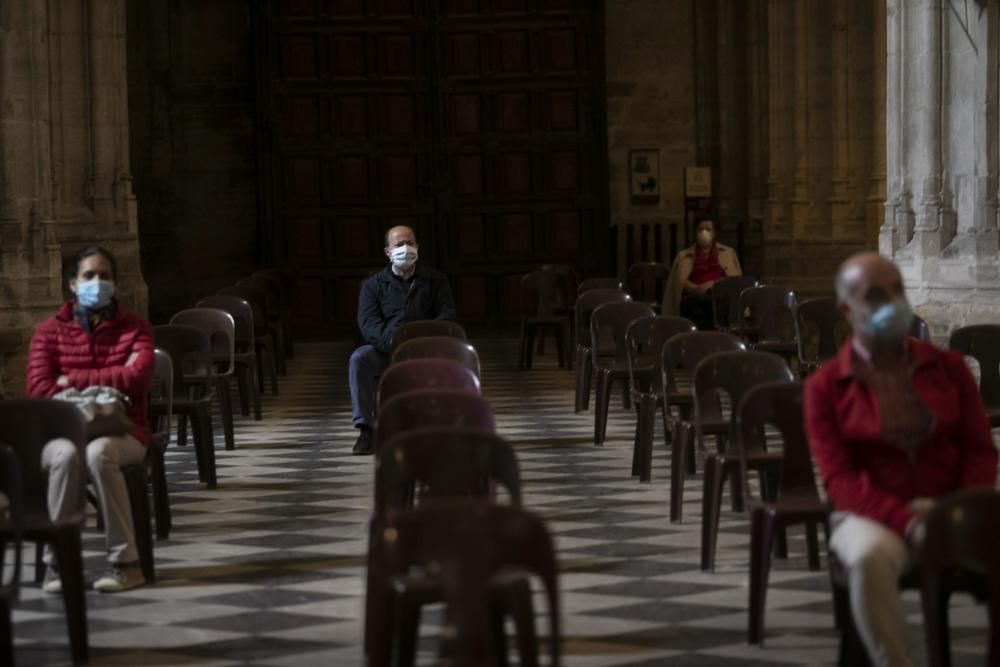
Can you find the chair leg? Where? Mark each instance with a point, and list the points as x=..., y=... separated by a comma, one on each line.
x=161, y=497
x=39, y=562
x=683, y=434
x=578, y=388
x=523, y=612
x=561, y=347
x=407, y=630
x=626, y=396
x=647, y=421
x=935, y=606
x=182, y=430
x=6, y=632
x=499, y=630
x=602, y=401
x=710, y=502
x=243, y=387
x=531, y=333
x=137, y=485
x=255, y=390
x=222, y=388
x=761, y=538
x=205, y=442
x=812, y=546
x=522, y=353
x=587, y=377
x=69, y=556
x=637, y=439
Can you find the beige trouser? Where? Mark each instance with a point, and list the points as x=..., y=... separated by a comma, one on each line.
x=105, y=457
x=874, y=557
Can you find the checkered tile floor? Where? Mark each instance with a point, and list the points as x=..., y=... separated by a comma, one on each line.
x=267, y=569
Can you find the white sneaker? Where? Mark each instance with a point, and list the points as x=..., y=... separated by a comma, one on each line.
x=52, y=583
x=120, y=578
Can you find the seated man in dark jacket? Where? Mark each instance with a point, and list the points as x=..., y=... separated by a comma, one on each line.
x=403, y=292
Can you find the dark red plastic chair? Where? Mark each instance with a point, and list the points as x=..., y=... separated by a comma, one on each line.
x=789, y=496
x=613, y=318
x=569, y=274
x=584, y=364
x=439, y=347
x=264, y=339
x=432, y=407
x=681, y=355
x=646, y=282
x=822, y=330
x=245, y=350
x=545, y=302
x=767, y=320
x=982, y=343
x=471, y=544
x=412, y=374
x=161, y=408
x=423, y=328
x=27, y=426
x=726, y=301
x=599, y=283
x=645, y=339
x=276, y=318
x=920, y=330
x=12, y=530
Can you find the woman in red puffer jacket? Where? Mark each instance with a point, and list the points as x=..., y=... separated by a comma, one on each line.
x=94, y=341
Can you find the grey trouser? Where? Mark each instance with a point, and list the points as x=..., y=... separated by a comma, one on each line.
x=874, y=558
x=105, y=457
x=366, y=364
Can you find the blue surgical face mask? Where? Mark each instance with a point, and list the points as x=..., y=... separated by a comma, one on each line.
x=890, y=322
x=404, y=256
x=95, y=294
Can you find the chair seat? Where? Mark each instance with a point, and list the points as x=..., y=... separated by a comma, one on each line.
x=776, y=346
x=796, y=508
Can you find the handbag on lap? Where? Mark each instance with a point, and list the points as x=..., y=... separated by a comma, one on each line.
x=104, y=409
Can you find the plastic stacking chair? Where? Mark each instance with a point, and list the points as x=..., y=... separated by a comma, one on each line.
x=27, y=426
x=767, y=320
x=275, y=319
x=920, y=330
x=792, y=500
x=264, y=341
x=432, y=407
x=645, y=339
x=472, y=544
x=443, y=462
x=646, y=282
x=571, y=277
x=282, y=278
x=245, y=349
x=584, y=365
x=439, y=347
x=615, y=319
x=735, y=374
x=982, y=343
x=963, y=533
x=11, y=530
x=599, y=283
x=161, y=408
x=424, y=328
x=544, y=305
x=726, y=301
x=191, y=352
x=413, y=374
x=221, y=329
x=820, y=320
x=681, y=355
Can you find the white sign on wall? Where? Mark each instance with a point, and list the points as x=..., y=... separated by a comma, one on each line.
x=697, y=182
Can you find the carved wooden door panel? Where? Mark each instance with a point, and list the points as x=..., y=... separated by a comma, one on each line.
x=477, y=122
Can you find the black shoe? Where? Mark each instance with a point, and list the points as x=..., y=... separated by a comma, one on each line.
x=363, y=447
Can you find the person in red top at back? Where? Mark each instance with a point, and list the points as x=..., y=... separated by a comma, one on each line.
x=695, y=270
x=893, y=423
x=94, y=341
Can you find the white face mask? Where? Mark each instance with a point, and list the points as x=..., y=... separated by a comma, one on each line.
x=404, y=256
x=704, y=238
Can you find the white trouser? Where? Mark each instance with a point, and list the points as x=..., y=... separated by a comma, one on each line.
x=105, y=457
x=874, y=558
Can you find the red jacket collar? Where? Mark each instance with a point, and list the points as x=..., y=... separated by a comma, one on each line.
x=921, y=352
x=66, y=311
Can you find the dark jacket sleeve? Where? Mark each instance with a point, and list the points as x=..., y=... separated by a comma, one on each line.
x=444, y=306
x=375, y=329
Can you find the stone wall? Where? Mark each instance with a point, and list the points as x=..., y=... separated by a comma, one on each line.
x=65, y=180
x=191, y=108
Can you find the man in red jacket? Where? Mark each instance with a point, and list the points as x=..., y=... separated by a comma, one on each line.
x=94, y=341
x=893, y=424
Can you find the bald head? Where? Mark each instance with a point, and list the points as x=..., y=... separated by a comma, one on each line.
x=400, y=235
x=864, y=283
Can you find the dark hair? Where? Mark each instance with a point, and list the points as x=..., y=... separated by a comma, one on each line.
x=707, y=218
x=74, y=266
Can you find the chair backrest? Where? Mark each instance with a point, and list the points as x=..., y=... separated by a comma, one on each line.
x=982, y=343
x=221, y=329
x=257, y=301
x=568, y=272
x=919, y=329
x=614, y=319
x=585, y=305
x=768, y=312
x=645, y=338
x=544, y=294
x=599, y=283
x=161, y=393
x=242, y=313
x=735, y=374
x=443, y=462
x=411, y=374
x=683, y=352
x=439, y=347
x=963, y=531
x=27, y=426
x=12, y=524
x=282, y=279
x=269, y=288
x=646, y=281
x=779, y=405
x=424, y=328
x=470, y=541
x=726, y=300
x=822, y=317
x=190, y=350
x=432, y=407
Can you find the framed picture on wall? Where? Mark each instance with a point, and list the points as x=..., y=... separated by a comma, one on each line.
x=644, y=174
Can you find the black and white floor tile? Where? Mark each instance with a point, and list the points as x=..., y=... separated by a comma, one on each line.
x=268, y=569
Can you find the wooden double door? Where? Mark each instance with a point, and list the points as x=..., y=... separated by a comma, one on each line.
x=479, y=123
